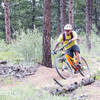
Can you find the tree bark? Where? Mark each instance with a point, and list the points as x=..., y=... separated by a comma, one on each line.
x=33, y=9
x=88, y=23
x=71, y=13
x=46, y=34
x=96, y=16
x=58, y=18
x=63, y=14
x=7, y=21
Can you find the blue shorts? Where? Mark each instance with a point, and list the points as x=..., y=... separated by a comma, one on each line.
x=72, y=50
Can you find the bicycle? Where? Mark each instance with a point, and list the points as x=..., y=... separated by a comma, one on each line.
x=66, y=66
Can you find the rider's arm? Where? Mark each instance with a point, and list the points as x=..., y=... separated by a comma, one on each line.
x=56, y=45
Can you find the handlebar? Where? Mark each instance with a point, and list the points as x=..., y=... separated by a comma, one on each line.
x=62, y=48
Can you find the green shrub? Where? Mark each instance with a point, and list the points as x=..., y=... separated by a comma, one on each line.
x=27, y=47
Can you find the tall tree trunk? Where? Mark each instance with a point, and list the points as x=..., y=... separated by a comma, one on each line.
x=7, y=21
x=90, y=14
x=88, y=23
x=58, y=18
x=63, y=14
x=96, y=16
x=33, y=9
x=71, y=14
x=46, y=34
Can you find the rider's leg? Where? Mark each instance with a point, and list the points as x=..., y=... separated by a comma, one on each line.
x=69, y=52
x=78, y=56
x=79, y=60
x=76, y=49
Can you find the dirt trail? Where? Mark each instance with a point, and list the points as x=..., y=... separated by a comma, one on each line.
x=44, y=78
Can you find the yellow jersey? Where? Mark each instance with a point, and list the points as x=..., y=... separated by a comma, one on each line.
x=67, y=38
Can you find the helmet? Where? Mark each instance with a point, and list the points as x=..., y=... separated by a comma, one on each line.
x=68, y=27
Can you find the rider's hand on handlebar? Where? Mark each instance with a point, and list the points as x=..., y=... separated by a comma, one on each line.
x=53, y=52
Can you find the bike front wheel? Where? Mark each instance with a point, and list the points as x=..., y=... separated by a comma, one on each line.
x=63, y=68
x=84, y=70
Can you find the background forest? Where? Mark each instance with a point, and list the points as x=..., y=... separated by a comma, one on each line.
x=28, y=32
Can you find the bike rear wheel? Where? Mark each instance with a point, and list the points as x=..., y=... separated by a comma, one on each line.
x=63, y=68
x=84, y=70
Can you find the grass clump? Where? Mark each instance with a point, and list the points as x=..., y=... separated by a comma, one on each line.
x=27, y=92
x=27, y=47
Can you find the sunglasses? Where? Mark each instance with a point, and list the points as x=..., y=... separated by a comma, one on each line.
x=67, y=30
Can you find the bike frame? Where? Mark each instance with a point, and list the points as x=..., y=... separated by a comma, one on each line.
x=70, y=61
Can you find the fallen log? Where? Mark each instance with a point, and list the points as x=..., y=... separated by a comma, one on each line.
x=87, y=81
x=3, y=62
x=58, y=82
x=67, y=89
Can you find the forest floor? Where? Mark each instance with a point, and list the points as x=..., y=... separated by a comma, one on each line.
x=43, y=78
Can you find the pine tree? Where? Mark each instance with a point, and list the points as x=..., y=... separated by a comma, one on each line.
x=7, y=21
x=88, y=22
x=46, y=34
x=63, y=14
x=71, y=14
x=58, y=17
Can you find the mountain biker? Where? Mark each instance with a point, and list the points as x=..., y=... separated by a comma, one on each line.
x=69, y=36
